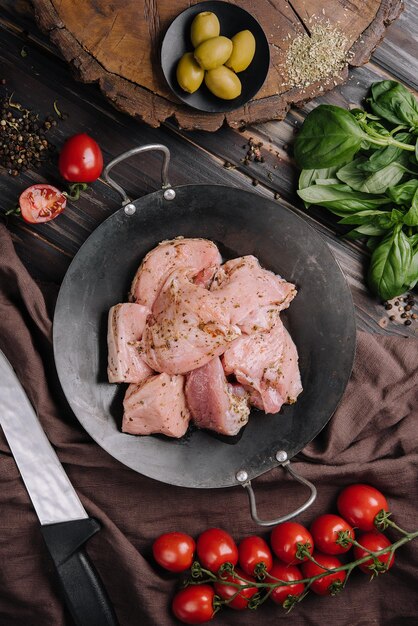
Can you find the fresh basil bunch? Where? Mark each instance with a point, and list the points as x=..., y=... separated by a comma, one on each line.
x=362, y=166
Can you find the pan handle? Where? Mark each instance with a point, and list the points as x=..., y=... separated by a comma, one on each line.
x=281, y=456
x=169, y=193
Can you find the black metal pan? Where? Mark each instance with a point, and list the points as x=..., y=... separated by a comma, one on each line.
x=320, y=320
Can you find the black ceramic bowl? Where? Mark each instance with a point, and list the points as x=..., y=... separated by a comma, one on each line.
x=232, y=19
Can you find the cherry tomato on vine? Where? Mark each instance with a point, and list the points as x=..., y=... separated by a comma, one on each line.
x=284, y=538
x=194, y=604
x=359, y=505
x=240, y=602
x=174, y=551
x=373, y=541
x=285, y=572
x=80, y=159
x=255, y=556
x=216, y=547
x=41, y=203
x=325, y=529
x=327, y=585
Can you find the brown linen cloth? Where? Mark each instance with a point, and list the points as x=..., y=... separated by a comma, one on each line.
x=372, y=438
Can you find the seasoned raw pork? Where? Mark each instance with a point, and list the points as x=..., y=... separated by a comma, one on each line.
x=156, y=406
x=126, y=323
x=245, y=287
x=266, y=364
x=159, y=263
x=213, y=402
x=189, y=326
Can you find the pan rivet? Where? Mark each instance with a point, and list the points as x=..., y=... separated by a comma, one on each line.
x=169, y=194
x=281, y=456
x=130, y=209
x=241, y=476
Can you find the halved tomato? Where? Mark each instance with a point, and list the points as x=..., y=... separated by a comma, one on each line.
x=41, y=203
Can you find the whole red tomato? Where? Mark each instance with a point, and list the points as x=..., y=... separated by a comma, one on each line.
x=174, y=551
x=194, y=604
x=325, y=531
x=254, y=556
x=327, y=585
x=216, y=547
x=283, y=571
x=41, y=203
x=373, y=541
x=359, y=505
x=240, y=601
x=80, y=159
x=284, y=540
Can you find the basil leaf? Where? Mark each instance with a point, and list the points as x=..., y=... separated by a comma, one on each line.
x=340, y=199
x=412, y=274
x=371, y=182
x=327, y=181
x=411, y=218
x=403, y=193
x=329, y=136
x=395, y=103
x=388, y=219
x=308, y=177
x=389, y=266
x=363, y=217
x=385, y=156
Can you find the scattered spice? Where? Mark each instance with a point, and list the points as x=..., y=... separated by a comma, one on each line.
x=407, y=322
x=388, y=306
x=23, y=143
x=229, y=166
x=312, y=58
x=56, y=109
x=253, y=152
x=254, y=182
x=24, y=52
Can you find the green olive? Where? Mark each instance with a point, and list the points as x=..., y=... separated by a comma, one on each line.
x=223, y=83
x=204, y=26
x=213, y=52
x=189, y=73
x=242, y=52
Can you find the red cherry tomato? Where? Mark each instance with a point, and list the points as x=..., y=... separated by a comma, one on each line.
x=254, y=556
x=80, y=160
x=194, y=604
x=240, y=602
x=174, y=551
x=325, y=531
x=216, y=547
x=373, y=541
x=283, y=571
x=284, y=539
x=359, y=505
x=41, y=203
x=324, y=586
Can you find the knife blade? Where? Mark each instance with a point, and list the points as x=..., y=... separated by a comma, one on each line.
x=65, y=524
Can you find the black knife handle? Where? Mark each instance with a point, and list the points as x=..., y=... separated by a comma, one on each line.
x=84, y=593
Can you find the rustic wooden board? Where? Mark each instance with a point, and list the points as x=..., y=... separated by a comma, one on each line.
x=118, y=44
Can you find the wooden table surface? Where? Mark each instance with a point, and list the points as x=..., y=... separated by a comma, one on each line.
x=39, y=76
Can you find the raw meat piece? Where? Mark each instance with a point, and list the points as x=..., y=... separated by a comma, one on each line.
x=213, y=402
x=244, y=286
x=266, y=364
x=156, y=406
x=159, y=263
x=188, y=326
x=126, y=323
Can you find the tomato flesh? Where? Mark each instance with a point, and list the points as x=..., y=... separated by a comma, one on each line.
x=194, y=604
x=41, y=203
x=240, y=601
x=323, y=586
x=359, y=505
x=80, y=160
x=216, y=547
x=284, y=540
x=285, y=572
x=373, y=541
x=174, y=551
x=254, y=555
x=325, y=529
